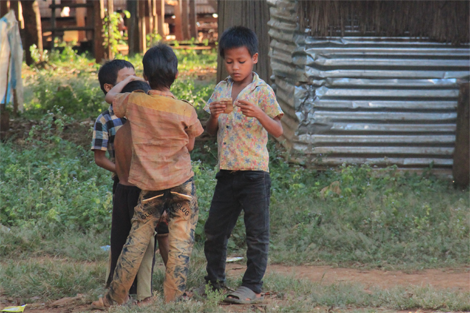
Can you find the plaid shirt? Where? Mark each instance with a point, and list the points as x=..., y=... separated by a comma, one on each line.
x=161, y=127
x=106, y=126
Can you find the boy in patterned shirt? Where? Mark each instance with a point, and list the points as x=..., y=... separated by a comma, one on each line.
x=243, y=181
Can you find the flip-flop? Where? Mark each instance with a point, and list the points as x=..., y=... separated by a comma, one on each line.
x=241, y=295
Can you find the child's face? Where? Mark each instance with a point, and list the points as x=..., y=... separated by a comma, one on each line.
x=239, y=63
x=121, y=75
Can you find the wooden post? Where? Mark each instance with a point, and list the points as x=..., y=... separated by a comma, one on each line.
x=161, y=16
x=33, y=29
x=110, y=30
x=133, y=27
x=98, y=12
x=185, y=18
x=90, y=21
x=461, y=169
x=142, y=27
x=178, y=21
x=192, y=19
x=154, y=16
x=148, y=17
x=254, y=15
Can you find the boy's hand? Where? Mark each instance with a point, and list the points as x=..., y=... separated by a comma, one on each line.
x=249, y=109
x=216, y=108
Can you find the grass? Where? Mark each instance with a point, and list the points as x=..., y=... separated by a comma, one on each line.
x=55, y=206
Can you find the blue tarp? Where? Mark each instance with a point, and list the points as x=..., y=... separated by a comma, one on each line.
x=11, y=59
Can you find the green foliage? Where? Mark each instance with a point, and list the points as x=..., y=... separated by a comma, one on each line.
x=113, y=21
x=53, y=183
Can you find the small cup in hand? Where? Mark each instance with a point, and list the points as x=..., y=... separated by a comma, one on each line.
x=228, y=105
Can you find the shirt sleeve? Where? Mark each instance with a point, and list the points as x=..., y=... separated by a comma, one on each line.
x=121, y=103
x=100, y=135
x=194, y=128
x=268, y=102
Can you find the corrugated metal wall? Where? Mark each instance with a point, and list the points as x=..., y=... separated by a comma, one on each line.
x=378, y=100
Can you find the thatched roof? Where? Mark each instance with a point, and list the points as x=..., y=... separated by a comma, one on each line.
x=443, y=21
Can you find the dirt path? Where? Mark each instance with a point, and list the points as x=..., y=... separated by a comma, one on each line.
x=456, y=278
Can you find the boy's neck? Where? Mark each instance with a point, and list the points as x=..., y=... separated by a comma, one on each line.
x=162, y=89
x=245, y=82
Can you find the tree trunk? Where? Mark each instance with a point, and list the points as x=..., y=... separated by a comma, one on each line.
x=133, y=28
x=192, y=19
x=185, y=18
x=254, y=15
x=98, y=16
x=461, y=169
x=33, y=29
x=4, y=7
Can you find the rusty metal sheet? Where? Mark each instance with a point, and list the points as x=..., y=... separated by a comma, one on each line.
x=356, y=99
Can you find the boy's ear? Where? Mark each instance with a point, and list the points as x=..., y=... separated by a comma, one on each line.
x=107, y=87
x=255, y=58
x=176, y=76
x=145, y=77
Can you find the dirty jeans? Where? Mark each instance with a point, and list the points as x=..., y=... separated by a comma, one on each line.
x=125, y=200
x=181, y=205
x=236, y=191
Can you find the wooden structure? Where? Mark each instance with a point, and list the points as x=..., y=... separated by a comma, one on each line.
x=370, y=81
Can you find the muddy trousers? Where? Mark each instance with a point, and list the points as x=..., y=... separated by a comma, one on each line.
x=125, y=200
x=181, y=205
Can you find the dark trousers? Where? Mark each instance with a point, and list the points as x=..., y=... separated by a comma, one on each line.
x=125, y=199
x=236, y=191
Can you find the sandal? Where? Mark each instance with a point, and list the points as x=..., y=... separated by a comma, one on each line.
x=243, y=295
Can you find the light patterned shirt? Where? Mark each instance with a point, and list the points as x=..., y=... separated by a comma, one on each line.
x=242, y=140
x=161, y=127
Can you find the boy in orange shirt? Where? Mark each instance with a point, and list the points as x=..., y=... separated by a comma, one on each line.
x=163, y=132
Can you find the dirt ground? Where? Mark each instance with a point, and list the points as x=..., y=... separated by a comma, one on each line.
x=456, y=278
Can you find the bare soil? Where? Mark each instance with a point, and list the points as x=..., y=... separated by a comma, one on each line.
x=453, y=278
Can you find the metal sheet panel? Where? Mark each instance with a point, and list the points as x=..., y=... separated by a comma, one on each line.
x=366, y=99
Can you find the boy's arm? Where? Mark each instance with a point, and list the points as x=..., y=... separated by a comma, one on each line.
x=102, y=161
x=190, y=144
x=272, y=125
x=111, y=95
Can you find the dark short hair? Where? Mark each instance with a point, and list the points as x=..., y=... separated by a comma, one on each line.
x=160, y=66
x=108, y=72
x=135, y=86
x=238, y=36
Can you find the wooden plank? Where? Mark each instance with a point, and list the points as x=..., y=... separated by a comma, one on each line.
x=98, y=9
x=80, y=14
x=461, y=169
x=90, y=21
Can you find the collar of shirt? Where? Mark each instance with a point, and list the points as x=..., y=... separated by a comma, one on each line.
x=252, y=86
x=161, y=93
x=111, y=111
